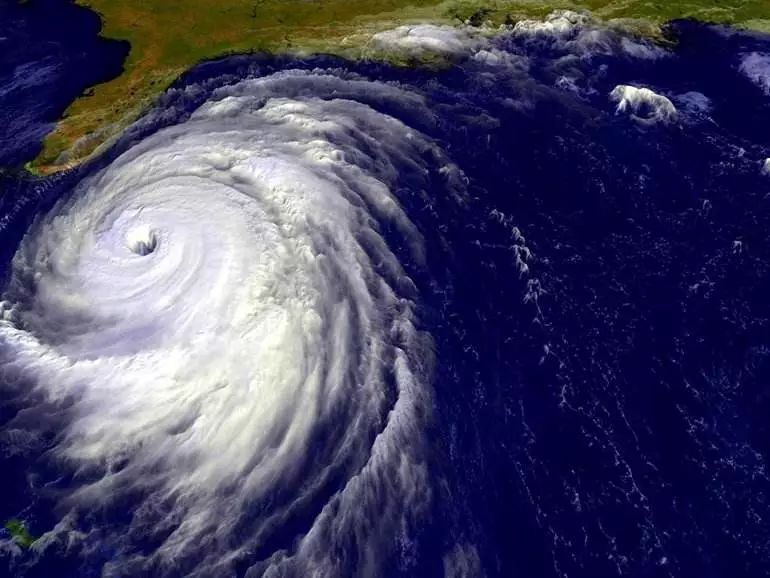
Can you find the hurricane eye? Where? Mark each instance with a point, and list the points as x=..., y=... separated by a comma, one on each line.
x=142, y=241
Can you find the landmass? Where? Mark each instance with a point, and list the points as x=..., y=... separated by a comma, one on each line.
x=18, y=531
x=169, y=36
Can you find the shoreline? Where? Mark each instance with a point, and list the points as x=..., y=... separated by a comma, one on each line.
x=160, y=54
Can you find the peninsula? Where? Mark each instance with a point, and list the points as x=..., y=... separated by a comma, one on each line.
x=169, y=36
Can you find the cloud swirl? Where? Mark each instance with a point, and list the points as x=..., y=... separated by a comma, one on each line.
x=222, y=317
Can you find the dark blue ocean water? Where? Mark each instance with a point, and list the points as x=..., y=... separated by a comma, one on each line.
x=50, y=53
x=605, y=412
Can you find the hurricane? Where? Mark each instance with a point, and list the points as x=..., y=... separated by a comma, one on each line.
x=218, y=296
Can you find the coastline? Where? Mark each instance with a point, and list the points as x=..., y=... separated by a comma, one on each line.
x=169, y=38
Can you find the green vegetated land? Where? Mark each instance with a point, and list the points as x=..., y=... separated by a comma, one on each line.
x=169, y=36
x=18, y=531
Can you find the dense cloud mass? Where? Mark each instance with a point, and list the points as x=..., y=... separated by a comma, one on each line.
x=311, y=317
x=643, y=105
x=218, y=296
x=428, y=39
x=578, y=34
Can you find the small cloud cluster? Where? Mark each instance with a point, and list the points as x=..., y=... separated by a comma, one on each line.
x=643, y=105
x=756, y=66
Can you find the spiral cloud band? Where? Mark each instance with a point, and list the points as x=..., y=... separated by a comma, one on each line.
x=217, y=339
x=221, y=317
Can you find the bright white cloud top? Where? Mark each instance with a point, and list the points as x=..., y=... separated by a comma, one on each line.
x=224, y=323
x=429, y=39
x=582, y=35
x=643, y=105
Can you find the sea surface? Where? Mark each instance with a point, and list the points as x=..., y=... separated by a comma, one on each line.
x=50, y=53
x=595, y=289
